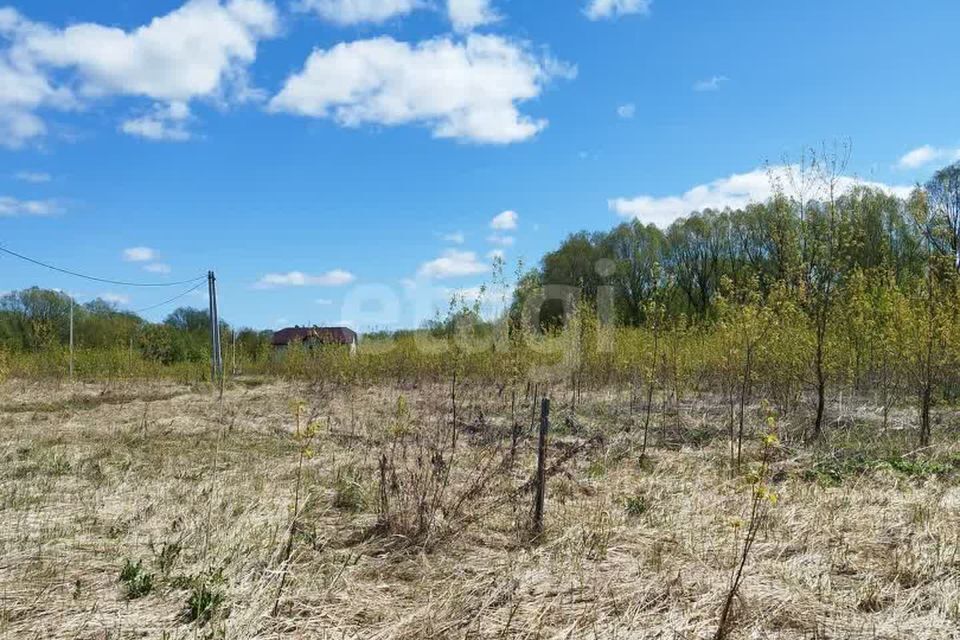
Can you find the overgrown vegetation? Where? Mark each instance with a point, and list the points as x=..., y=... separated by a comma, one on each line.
x=820, y=291
x=753, y=432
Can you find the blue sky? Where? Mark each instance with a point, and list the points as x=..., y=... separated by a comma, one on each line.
x=354, y=160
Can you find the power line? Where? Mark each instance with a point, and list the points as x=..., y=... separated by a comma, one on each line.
x=177, y=297
x=96, y=279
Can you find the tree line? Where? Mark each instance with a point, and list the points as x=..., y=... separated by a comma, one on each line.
x=38, y=320
x=862, y=281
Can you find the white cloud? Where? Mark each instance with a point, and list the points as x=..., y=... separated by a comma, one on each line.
x=23, y=86
x=710, y=84
x=348, y=12
x=17, y=127
x=466, y=90
x=627, y=111
x=611, y=9
x=918, y=157
x=324, y=301
x=157, y=267
x=492, y=301
x=457, y=237
x=505, y=221
x=165, y=122
x=922, y=156
x=493, y=254
x=34, y=177
x=200, y=50
x=10, y=207
x=735, y=191
x=466, y=15
x=502, y=240
x=139, y=254
x=335, y=278
x=187, y=53
x=115, y=298
x=453, y=263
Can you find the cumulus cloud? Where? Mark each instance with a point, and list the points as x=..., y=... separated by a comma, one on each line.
x=466, y=90
x=33, y=177
x=466, y=15
x=453, y=263
x=627, y=111
x=146, y=255
x=925, y=155
x=200, y=50
x=335, y=278
x=24, y=87
x=710, y=84
x=139, y=254
x=612, y=9
x=505, y=221
x=735, y=191
x=349, y=12
x=11, y=207
x=187, y=53
x=165, y=122
x=115, y=298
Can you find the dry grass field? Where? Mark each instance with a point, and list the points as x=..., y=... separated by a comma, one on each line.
x=158, y=511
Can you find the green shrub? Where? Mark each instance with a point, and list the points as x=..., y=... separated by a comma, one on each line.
x=203, y=601
x=635, y=506
x=137, y=581
x=348, y=490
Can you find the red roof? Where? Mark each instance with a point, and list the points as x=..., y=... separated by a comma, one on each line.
x=323, y=335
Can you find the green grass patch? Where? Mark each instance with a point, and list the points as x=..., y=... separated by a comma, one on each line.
x=833, y=471
x=137, y=581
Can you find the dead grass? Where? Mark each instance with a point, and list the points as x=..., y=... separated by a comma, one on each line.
x=200, y=494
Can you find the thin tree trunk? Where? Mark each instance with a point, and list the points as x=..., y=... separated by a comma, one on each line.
x=925, y=402
x=821, y=387
x=744, y=392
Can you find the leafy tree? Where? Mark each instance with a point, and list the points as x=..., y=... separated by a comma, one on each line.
x=636, y=250
x=943, y=191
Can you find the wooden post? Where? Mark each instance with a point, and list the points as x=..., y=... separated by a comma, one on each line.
x=453, y=402
x=514, y=425
x=541, y=493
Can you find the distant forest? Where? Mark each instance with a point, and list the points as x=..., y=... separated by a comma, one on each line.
x=35, y=320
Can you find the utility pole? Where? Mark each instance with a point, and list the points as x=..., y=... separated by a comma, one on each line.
x=216, y=361
x=216, y=327
x=213, y=340
x=71, y=338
